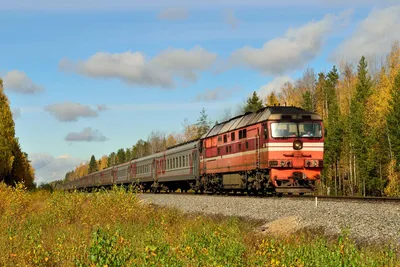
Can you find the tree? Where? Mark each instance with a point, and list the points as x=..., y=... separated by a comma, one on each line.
x=111, y=160
x=157, y=141
x=203, y=125
x=393, y=119
x=190, y=131
x=92, y=165
x=171, y=141
x=360, y=133
x=253, y=103
x=103, y=162
x=7, y=135
x=128, y=154
x=120, y=156
x=272, y=99
x=334, y=128
x=307, y=101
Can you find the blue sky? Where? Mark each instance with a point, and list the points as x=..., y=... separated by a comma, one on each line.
x=151, y=65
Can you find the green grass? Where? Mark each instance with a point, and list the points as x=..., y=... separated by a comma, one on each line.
x=114, y=228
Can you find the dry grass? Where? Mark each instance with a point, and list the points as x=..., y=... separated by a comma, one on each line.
x=114, y=228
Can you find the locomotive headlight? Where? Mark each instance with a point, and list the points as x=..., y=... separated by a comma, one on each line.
x=282, y=163
x=315, y=163
x=297, y=145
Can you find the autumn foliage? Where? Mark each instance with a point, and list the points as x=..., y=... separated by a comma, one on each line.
x=14, y=163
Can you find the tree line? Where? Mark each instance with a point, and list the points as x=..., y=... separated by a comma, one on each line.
x=15, y=166
x=360, y=107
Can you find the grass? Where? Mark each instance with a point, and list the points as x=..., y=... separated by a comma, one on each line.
x=114, y=228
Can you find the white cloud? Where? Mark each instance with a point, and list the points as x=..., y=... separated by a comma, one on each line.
x=215, y=94
x=16, y=113
x=18, y=82
x=86, y=135
x=291, y=51
x=273, y=86
x=173, y=13
x=134, y=68
x=373, y=36
x=49, y=168
x=229, y=18
x=69, y=111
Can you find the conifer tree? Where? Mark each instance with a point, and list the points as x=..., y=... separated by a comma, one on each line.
x=128, y=155
x=253, y=103
x=307, y=101
x=7, y=135
x=202, y=124
x=393, y=119
x=120, y=156
x=334, y=127
x=92, y=165
x=361, y=140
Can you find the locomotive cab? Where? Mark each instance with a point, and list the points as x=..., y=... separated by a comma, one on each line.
x=295, y=152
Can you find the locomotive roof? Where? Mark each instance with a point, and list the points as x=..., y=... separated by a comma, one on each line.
x=263, y=114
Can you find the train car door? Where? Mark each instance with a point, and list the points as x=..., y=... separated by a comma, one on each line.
x=195, y=163
x=154, y=170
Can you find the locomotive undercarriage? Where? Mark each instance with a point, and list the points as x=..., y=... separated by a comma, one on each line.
x=251, y=182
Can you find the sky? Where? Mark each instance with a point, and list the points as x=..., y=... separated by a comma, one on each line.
x=89, y=77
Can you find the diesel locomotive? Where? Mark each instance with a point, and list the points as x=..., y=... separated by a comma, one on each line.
x=275, y=150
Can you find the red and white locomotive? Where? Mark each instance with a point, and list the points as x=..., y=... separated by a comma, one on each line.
x=274, y=150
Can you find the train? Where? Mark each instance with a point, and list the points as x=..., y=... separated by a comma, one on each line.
x=275, y=150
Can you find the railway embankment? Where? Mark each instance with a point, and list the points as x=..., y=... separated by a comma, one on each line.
x=366, y=222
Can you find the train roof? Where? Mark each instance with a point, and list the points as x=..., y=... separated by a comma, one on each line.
x=263, y=114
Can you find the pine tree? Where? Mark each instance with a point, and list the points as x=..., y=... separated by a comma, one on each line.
x=202, y=124
x=334, y=128
x=307, y=102
x=7, y=135
x=393, y=119
x=361, y=139
x=120, y=156
x=253, y=103
x=92, y=165
x=128, y=154
x=111, y=160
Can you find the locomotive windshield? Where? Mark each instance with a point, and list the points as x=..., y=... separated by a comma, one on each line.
x=293, y=129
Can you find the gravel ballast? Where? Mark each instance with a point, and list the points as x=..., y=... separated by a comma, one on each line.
x=369, y=222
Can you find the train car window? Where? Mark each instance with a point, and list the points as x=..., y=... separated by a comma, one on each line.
x=190, y=158
x=219, y=139
x=240, y=134
x=233, y=136
x=244, y=133
x=183, y=163
x=247, y=145
x=180, y=162
x=187, y=160
x=173, y=163
x=265, y=131
x=225, y=138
